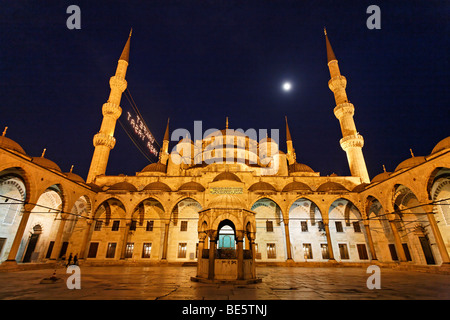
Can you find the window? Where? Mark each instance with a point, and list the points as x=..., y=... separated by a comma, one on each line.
x=149, y=225
x=183, y=226
x=115, y=225
x=146, y=250
x=321, y=226
x=93, y=247
x=325, y=252
x=407, y=254
x=98, y=225
x=339, y=226
x=393, y=252
x=49, y=251
x=343, y=251
x=133, y=225
x=304, y=225
x=129, y=250
x=362, y=252
x=111, y=251
x=307, y=250
x=182, y=250
x=271, y=251
x=356, y=226
x=269, y=226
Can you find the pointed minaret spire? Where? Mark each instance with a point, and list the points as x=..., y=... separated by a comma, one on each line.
x=104, y=140
x=126, y=50
x=164, y=154
x=291, y=156
x=288, y=133
x=226, y=124
x=4, y=131
x=351, y=142
x=330, y=52
x=43, y=153
x=166, y=134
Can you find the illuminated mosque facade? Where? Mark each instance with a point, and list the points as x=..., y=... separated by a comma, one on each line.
x=225, y=202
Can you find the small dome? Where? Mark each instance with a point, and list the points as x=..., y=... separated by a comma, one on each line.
x=299, y=167
x=227, y=201
x=262, y=186
x=443, y=144
x=74, y=177
x=227, y=176
x=122, y=186
x=331, y=186
x=360, y=188
x=46, y=163
x=95, y=187
x=296, y=186
x=411, y=162
x=192, y=186
x=10, y=144
x=159, y=186
x=380, y=177
x=155, y=167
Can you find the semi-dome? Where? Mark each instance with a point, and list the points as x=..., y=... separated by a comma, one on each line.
x=46, y=163
x=227, y=176
x=262, y=186
x=299, y=167
x=331, y=186
x=10, y=144
x=157, y=186
x=120, y=186
x=443, y=144
x=411, y=162
x=227, y=201
x=191, y=186
x=296, y=186
x=74, y=177
x=155, y=167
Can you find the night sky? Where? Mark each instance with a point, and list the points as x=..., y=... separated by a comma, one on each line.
x=206, y=60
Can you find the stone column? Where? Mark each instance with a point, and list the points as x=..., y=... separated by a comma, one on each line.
x=253, y=248
x=212, y=258
x=58, y=240
x=437, y=236
x=398, y=242
x=330, y=246
x=288, y=240
x=125, y=240
x=19, y=234
x=201, y=241
x=369, y=238
x=86, y=237
x=166, y=239
x=240, y=257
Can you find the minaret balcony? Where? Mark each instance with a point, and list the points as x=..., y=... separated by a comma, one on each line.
x=343, y=109
x=111, y=109
x=352, y=141
x=103, y=139
x=337, y=83
x=119, y=83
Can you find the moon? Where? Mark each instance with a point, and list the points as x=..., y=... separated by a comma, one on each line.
x=287, y=86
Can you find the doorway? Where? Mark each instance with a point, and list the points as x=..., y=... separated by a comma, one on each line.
x=425, y=243
x=37, y=230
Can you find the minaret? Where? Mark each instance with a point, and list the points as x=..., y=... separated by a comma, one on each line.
x=352, y=142
x=104, y=140
x=291, y=157
x=164, y=154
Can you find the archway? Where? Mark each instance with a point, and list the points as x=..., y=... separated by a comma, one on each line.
x=270, y=237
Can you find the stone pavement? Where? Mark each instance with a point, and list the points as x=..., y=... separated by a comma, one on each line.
x=173, y=283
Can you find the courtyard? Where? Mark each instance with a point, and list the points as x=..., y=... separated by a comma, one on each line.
x=173, y=283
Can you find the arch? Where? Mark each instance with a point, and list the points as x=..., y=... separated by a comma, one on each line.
x=437, y=173
x=140, y=209
x=105, y=208
x=174, y=211
x=22, y=174
x=260, y=202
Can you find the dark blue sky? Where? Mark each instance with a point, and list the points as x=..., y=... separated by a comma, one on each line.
x=205, y=60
